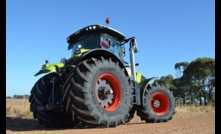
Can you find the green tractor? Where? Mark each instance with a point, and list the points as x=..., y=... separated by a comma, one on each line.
x=96, y=86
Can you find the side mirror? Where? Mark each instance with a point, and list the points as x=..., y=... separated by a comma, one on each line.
x=133, y=44
x=123, y=50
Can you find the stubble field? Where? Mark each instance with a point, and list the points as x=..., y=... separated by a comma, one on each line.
x=187, y=120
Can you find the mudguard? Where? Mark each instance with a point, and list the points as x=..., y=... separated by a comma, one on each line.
x=99, y=52
x=46, y=68
x=144, y=84
x=78, y=53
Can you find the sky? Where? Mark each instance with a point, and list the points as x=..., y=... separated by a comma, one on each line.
x=167, y=32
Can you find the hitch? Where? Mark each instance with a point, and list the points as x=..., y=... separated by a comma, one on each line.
x=52, y=106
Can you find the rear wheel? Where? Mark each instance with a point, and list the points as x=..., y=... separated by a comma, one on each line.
x=101, y=93
x=158, y=104
x=40, y=96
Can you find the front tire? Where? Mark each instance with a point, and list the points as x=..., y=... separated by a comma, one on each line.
x=158, y=105
x=101, y=93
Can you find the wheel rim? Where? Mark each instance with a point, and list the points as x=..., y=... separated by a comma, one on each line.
x=159, y=103
x=108, y=92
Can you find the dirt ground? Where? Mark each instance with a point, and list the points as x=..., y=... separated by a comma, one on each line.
x=185, y=121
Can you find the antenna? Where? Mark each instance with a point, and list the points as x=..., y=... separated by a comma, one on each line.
x=107, y=21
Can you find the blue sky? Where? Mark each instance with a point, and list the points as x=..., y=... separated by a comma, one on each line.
x=167, y=32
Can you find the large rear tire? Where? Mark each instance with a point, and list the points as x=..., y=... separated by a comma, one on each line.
x=158, y=105
x=40, y=95
x=100, y=93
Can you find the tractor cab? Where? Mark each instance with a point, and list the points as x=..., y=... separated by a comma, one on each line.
x=96, y=37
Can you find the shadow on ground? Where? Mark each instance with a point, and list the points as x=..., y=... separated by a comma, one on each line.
x=22, y=124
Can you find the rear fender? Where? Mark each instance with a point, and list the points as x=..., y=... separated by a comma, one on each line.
x=46, y=68
x=78, y=53
x=106, y=54
x=97, y=53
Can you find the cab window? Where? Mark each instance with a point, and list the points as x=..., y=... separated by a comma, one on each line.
x=112, y=44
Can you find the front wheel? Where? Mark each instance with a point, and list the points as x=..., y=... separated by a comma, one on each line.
x=158, y=104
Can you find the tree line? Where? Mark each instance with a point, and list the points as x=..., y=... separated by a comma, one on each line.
x=195, y=79
x=19, y=96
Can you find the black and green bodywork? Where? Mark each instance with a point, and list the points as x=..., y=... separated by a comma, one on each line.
x=87, y=43
x=96, y=82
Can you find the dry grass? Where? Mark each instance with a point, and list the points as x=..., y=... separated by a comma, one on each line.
x=21, y=108
x=193, y=111
x=20, y=119
x=196, y=109
x=18, y=108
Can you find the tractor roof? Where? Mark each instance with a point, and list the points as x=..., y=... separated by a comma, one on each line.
x=95, y=28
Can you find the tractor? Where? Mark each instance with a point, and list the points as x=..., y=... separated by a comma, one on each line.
x=96, y=87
